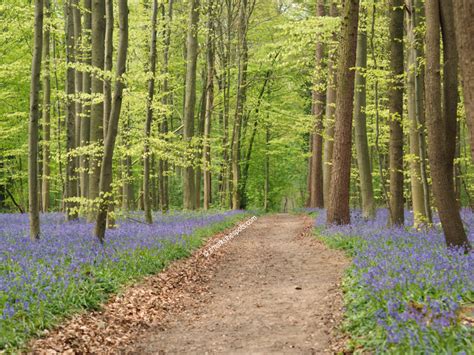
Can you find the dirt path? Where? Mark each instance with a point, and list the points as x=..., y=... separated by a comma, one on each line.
x=274, y=290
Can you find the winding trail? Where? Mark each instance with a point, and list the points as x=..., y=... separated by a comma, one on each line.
x=274, y=290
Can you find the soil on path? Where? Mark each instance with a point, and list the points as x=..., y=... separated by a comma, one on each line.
x=271, y=289
x=275, y=290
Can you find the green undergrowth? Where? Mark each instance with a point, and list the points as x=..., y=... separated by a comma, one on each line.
x=103, y=280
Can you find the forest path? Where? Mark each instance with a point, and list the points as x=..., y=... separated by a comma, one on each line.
x=273, y=290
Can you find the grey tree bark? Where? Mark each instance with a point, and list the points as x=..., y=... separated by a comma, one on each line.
x=109, y=145
x=33, y=127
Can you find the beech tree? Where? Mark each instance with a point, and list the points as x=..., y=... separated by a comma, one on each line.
x=338, y=209
x=33, y=123
x=109, y=144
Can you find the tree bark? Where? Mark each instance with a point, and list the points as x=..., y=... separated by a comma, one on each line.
x=338, y=209
x=360, y=123
x=97, y=108
x=189, y=184
x=108, y=61
x=71, y=188
x=149, y=115
x=396, y=113
x=443, y=190
x=106, y=167
x=330, y=110
x=78, y=81
x=33, y=122
x=463, y=15
x=450, y=84
x=240, y=105
x=209, y=107
x=316, y=192
x=86, y=108
x=417, y=193
x=45, y=190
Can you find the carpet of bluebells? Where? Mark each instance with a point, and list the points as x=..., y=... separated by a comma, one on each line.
x=68, y=270
x=406, y=292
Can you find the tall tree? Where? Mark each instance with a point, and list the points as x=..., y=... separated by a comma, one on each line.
x=86, y=107
x=109, y=144
x=463, y=15
x=209, y=105
x=330, y=110
x=108, y=61
x=338, y=209
x=396, y=112
x=189, y=188
x=149, y=115
x=46, y=125
x=416, y=182
x=97, y=107
x=360, y=122
x=240, y=105
x=33, y=122
x=318, y=96
x=443, y=190
x=71, y=188
x=78, y=82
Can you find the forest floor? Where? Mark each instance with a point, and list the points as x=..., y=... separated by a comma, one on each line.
x=272, y=289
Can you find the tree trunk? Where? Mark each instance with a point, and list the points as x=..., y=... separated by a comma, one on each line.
x=106, y=167
x=86, y=108
x=240, y=105
x=71, y=188
x=330, y=110
x=450, y=84
x=189, y=186
x=266, y=193
x=163, y=164
x=108, y=61
x=396, y=113
x=149, y=116
x=338, y=209
x=209, y=107
x=360, y=123
x=417, y=192
x=316, y=192
x=443, y=190
x=97, y=108
x=46, y=111
x=463, y=15
x=33, y=123
x=78, y=81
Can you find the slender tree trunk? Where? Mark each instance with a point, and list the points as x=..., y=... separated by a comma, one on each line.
x=46, y=111
x=316, y=191
x=106, y=167
x=266, y=193
x=200, y=134
x=360, y=123
x=443, y=190
x=396, y=113
x=418, y=22
x=450, y=84
x=108, y=61
x=330, y=110
x=86, y=108
x=163, y=164
x=209, y=107
x=97, y=108
x=149, y=116
x=78, y=81
x=189, y=188
x=71, y=188
x=240, y=105
x=338, y=209
x=33, y=123
x=127, y=174
x=417, y=192
x=464, y=25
